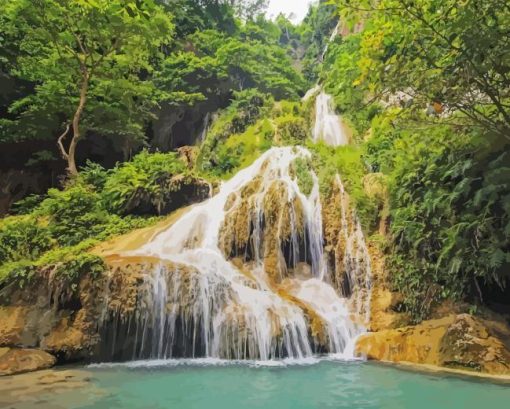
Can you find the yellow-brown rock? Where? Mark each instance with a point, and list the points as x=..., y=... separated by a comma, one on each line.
x=14, y=360
x=383, y=301
x=13, y=321
x=456, y=341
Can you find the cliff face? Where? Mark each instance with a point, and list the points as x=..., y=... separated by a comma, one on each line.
x=106, y=317
x=45, y=323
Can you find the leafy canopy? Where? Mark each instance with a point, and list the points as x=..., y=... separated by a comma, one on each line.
x=89, y=60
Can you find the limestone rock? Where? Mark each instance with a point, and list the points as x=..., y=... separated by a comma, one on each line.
x=14, y=360
x=13, y=322
x=456, y=341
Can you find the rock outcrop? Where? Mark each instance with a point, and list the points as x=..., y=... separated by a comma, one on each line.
x=14, y=360
x=455, y=341
x=71, y=326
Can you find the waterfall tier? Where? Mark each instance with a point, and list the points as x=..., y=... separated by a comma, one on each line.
x=328, y=125
x=245, y=275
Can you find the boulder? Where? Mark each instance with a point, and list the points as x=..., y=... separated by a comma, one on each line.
x=456, y=341
x=15, y=360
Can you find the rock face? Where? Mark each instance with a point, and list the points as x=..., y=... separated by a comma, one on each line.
x=42, y=319
x=15, y=361
x=40, y=316
x=456, y=341
x=450, y=340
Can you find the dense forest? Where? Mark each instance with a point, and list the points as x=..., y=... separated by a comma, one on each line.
x=116, y=113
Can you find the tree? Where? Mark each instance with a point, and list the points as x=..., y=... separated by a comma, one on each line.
x=219, y=61
x=452, y=53
x=90, y=62
x=248, y=9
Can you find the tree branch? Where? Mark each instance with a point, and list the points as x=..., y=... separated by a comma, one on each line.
x=60, y=142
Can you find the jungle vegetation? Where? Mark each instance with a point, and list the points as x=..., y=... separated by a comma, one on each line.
x=85, y=84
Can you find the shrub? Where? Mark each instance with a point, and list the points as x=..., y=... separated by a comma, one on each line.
x=144, y=179
x=450, y=217
x=302, y=168
x=75, y=214
x=246, y=109
x=23, y=237
x=291, y=130
x=346, y=161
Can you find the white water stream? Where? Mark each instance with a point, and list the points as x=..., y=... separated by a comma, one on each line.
x=328, y=126
x=216, y=308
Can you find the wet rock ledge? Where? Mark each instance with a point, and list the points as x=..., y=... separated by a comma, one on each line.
x=15, y=360
x=454, y=342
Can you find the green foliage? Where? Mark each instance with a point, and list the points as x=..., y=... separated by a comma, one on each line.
x=247, y=128
x=316, y=31
x=27, y=205
x=22, y=237
x=250, y=60
x=291, y=125
x=341, y=74
x=56, y=232
x=303, y=171
x=67, y=264
x=450, y=217
x=146, y=178
x=246, y=108
x=85, y=59
x=429, y=50
x=447, y=170
x=242, y=149
x=74, y=214
x=347, y=162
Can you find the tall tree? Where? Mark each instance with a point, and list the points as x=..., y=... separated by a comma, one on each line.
x=449, y=52
x=90, y=61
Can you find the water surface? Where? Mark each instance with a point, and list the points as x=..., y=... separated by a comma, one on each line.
x=217, y=385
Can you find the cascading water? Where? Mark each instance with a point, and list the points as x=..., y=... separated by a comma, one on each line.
x=244, y=276
x=205, y=127
x=328, y=126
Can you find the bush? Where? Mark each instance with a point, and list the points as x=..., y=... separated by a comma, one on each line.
x=241, y=150
x=147, y=178
x=28, y=204
x=450, y=230
x=94, y=175
x=291, y=130
x=23, y=237
x=58, y=231
x=67, y=264
x=246, y=109
x=75, y=214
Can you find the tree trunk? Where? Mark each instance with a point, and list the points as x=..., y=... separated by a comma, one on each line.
x=71, y=161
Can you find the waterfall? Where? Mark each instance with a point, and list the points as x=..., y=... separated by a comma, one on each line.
x=244, y=275
x=332, y=37
x=205, y=127
x=328, y=125
x=356, y=258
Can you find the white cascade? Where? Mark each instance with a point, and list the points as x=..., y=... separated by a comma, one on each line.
x=328, y=125
x=213, y=307
x=205, y=127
